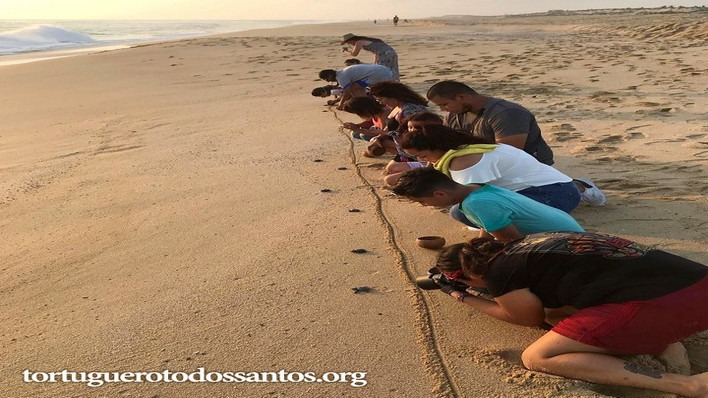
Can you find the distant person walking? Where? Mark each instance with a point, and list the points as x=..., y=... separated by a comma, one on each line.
x=383, y=53
x=395, y=20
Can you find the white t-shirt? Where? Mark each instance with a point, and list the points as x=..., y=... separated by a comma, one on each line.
x=365, y=74
x=510, y=168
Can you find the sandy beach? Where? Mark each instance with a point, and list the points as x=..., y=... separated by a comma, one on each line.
x=189, y=204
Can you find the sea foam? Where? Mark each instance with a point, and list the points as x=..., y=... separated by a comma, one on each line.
x=41, y=37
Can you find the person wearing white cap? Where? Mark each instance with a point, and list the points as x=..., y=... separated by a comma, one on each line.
x=383, y=53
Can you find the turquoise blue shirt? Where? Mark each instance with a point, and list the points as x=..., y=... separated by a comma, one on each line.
x=494, y=208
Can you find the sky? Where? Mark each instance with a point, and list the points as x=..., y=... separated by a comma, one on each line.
x=329, y=10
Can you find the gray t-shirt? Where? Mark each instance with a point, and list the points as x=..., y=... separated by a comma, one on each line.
x=500, y=118
x=364, y=74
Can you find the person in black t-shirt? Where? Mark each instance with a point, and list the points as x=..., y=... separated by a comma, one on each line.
x=624, y=299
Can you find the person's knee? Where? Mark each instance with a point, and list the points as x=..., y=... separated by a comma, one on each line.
x=397, y=167
x=458, y=215
x=392, y=179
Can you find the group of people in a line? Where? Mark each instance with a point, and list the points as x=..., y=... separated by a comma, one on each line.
x=486, y=160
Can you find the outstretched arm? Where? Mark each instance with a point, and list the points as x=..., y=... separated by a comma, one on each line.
x=355, y=50
x=346, y=96
x=520, y=307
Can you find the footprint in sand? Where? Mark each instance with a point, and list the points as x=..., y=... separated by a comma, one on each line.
x=611, y=139
x=562, y=136
x=593, y=148
x=623, y=159
x=604, y=96
x=633, y=135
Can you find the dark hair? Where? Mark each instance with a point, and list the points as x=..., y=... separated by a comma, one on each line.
x=427, y=117
x=328, y=74
x=424, y=117
x=422, y=182
x=356, y=38
x=436, y=137
x=397, y=91
x=363, y=106
x=352, y=61
x=449, y=258
x=322, y=91
x=449, y=89
x=477, y=255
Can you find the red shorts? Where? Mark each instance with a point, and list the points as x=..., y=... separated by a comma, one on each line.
x=641, y=327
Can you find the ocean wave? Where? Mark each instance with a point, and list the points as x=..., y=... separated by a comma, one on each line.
x=41, y=37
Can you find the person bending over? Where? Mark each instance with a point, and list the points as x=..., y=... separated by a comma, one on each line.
x=629, y=299
x=504, y=122
x=383, y=53
x=369, y=110
x=467, y=158
x=405, y=103
x=356, y=79
x=503, y=214
x=326, y=91
x=405, y=161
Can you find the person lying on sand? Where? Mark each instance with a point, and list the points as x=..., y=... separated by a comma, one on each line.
x=630, y=300
x=504, y=122
x=498, y=212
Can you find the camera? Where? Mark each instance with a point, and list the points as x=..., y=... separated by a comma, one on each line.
x=435, y=280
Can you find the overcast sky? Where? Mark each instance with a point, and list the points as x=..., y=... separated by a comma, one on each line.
x=300, y=9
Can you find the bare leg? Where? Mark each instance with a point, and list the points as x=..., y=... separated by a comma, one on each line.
x=346, y=96
x=559, y=355
x=397, y=167
x=392, y=179
x=394, y=170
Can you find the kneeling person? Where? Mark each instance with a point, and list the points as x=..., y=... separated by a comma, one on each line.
x=503, y=214
x=629, y=299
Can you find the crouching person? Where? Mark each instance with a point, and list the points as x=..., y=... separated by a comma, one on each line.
x=503, y=214
x=629, y=300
